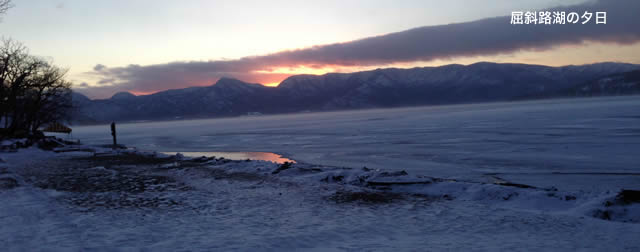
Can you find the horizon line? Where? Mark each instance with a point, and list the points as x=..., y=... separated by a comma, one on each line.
x=270, y=85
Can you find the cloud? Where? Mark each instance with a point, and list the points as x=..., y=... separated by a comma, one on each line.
x=99, y=67
x=106, y=81
x=482, y=37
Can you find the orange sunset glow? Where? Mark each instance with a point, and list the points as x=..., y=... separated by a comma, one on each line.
x=271, y=52
x=558, y=56
x=334, y=125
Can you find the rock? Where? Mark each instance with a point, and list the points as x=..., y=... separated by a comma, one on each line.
x=203, y=159
x=626, y=197
x=330, y=178
x=8, y=183
x=284, y=166
x=49, y=144
x=369, y=197
x=506, y=183
x=619, y=208
x=393, y=174
x=602, y=214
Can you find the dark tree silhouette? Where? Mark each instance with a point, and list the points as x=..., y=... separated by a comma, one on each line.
x=5, y=5
x=33, y=91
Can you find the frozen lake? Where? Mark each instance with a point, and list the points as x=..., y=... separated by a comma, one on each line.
x=587, y=148
x=573, y=144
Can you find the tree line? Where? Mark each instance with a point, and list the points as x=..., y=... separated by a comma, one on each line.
x=33, y=91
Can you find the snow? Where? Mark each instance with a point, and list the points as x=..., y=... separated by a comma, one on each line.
x=9, y=142
x=515, y=193
x=290, y=210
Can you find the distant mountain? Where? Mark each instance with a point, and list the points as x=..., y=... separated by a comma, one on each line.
x=480, y=82
x=123, y=96
x=627, y=83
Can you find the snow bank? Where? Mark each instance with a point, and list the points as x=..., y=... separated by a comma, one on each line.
x=176, y=202
x=603, y=205
x=500, y=194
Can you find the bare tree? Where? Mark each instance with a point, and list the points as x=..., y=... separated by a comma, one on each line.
x=33, y=91
x=5, y=5
x=12, y=59
x=49, y=97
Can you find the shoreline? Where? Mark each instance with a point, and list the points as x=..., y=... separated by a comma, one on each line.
x=80, y=185
x=364, y=179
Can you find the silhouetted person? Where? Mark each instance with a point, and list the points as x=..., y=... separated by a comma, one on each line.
x=113, y=133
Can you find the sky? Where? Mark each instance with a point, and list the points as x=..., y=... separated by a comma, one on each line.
x=148, y=46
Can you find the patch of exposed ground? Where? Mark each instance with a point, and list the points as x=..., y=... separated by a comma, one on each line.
x=113, y=182
x=367, y=197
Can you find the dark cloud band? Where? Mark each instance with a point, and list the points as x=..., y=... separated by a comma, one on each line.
x=482, y=37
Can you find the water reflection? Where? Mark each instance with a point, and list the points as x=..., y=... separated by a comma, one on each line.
x=266, y=156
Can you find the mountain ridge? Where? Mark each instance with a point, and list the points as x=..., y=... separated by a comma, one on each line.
x=389, y=87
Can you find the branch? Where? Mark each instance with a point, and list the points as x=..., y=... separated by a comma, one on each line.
x=5, y=5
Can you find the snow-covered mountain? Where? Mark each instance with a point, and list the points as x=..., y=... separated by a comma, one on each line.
x=392, y=87
x=627, y=83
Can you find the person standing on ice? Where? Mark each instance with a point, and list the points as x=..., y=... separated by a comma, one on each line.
x=113, y=133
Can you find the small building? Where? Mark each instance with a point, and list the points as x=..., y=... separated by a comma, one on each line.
x=57, y=127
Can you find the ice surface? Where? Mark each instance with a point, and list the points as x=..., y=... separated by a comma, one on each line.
x=578, y=144
x=541, y=175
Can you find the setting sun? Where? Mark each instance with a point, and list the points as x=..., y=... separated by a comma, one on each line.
x=300, y=69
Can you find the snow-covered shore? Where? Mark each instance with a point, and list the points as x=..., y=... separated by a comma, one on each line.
x=129, y=199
